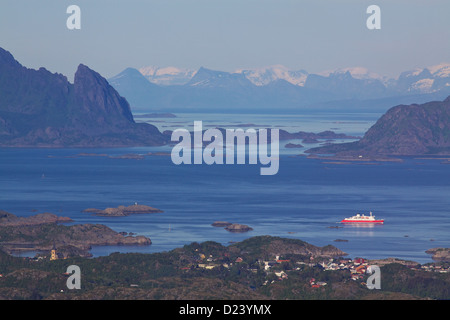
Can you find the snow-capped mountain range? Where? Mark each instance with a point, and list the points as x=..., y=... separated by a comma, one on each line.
x=172, y=88
x=265, y=75
x=167, y=75
x=424, y=80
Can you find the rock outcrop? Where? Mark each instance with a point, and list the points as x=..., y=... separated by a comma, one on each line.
x=440, y=254
x=122, y=211
x=232, y=227
x=236, y=227
x=221, y=224
x=42, y=232
x=293, y=145
x=10, y=220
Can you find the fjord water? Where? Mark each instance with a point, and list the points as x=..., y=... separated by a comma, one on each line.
x=302, y=201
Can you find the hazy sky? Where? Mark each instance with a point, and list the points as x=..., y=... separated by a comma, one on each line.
x=313, y=35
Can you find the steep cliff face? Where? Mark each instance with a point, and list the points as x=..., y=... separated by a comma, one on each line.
x=403, y=130
x=100, y=102
x=42, y=109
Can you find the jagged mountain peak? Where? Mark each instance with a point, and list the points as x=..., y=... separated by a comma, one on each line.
x=265, y=75
x=167, y=75
x=211, y=78
x=6, y=58
x=98, y=98
x=131, y=72
x=440, y=70
x=359, y=73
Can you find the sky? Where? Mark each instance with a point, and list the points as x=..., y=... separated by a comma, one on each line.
x=226, y=35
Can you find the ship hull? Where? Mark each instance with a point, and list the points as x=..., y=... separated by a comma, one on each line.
x=362, y=221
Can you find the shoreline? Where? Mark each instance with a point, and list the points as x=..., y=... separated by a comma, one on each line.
x=380, y=261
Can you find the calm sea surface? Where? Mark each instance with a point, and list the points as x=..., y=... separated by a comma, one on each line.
x=302, y=201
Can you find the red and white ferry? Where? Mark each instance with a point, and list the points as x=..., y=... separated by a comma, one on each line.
x=361, y=218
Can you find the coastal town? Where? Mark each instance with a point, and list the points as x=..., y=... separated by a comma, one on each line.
x=261, y=267
x=358, y=268
x=281, y=267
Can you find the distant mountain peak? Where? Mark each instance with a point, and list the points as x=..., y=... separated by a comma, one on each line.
x=132, y=71
x=212, y=78
x=440, y=70
x=167, y=75
x=265, y=75
x=359, y=73
x=425, y=80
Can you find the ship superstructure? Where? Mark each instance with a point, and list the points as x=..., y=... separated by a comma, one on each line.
x=361, y=218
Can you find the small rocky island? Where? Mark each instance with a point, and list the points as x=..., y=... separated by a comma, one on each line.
x=10, y=220
x=232, y=227
x=44, y=232
x=293, y=145
x=439, y=254
x=122, y=211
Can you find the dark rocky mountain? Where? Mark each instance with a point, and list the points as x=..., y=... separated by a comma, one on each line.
x=404, y=130
x=42, y=109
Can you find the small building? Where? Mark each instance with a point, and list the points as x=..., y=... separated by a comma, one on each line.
x=281, y=261
x=361, y=269
x=281, y=275
x=53, y=254
x=357, y=276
